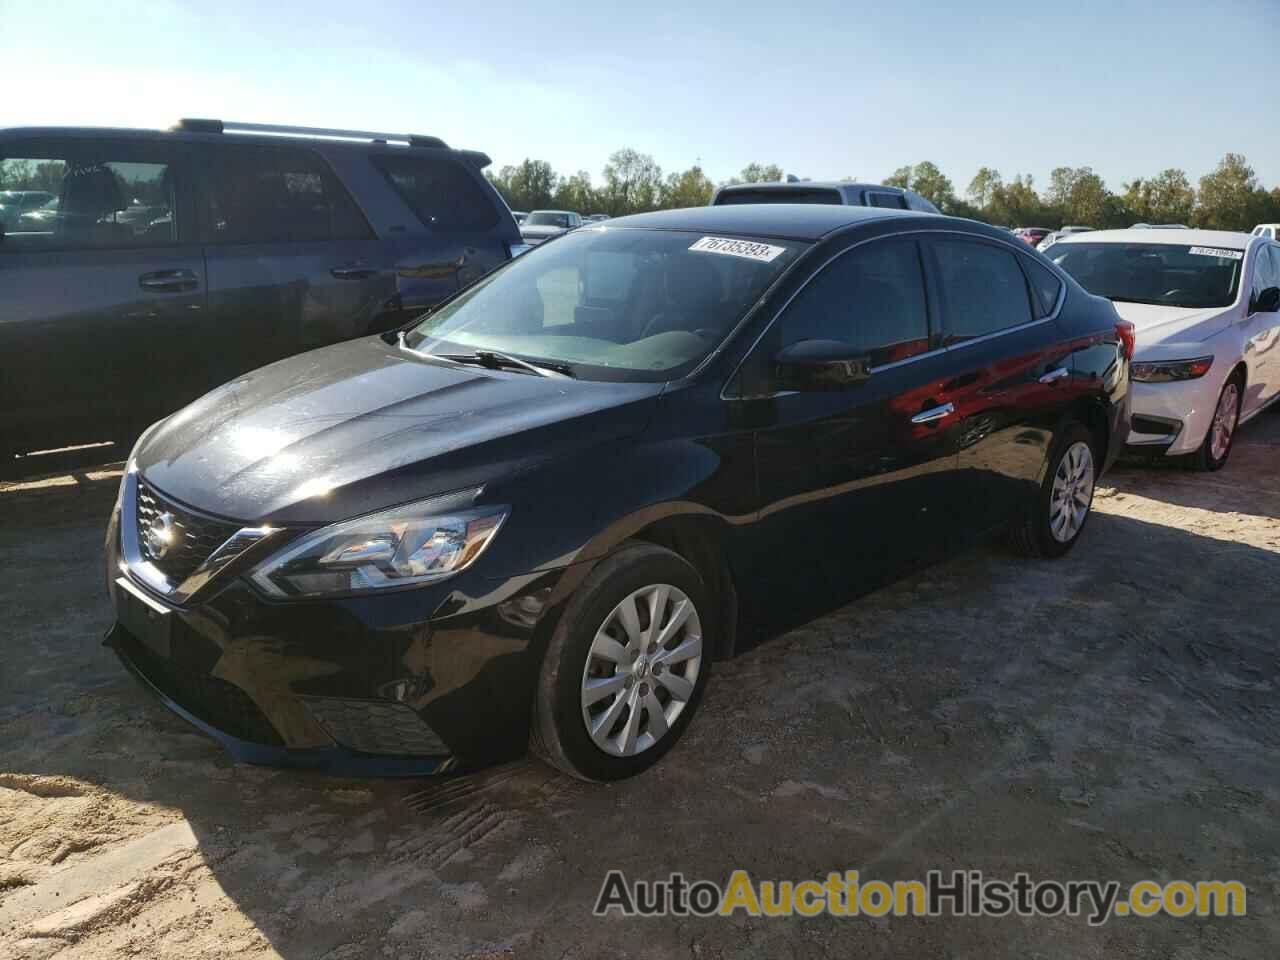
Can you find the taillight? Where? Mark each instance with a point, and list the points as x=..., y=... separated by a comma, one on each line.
x=1128, y=338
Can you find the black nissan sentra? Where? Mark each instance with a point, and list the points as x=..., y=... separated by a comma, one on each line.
x=538, y=515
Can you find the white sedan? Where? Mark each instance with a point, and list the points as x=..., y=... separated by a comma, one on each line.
x=1204, y=305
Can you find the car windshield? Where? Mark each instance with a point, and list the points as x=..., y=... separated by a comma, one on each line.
x=1161, y=273
x=611, y=304
x=543, y=219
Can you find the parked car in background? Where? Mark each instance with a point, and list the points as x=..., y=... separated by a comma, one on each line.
x=542, y=225
x=16, y=203
x=1269, y=230
x=1031, y=235
x=597, y=217
x=520, y=215
x=1057, y=235
x=172, y=261
x=722, y=408
x=841, y=193
x=1204, y=307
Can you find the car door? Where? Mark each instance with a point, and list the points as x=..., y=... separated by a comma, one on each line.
x=292, y=263
x=97, y=310
x=1010, y=373
x=852, y=480
x=1262, y=333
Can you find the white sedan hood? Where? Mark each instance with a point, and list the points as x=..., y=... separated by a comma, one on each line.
x=1155, y=324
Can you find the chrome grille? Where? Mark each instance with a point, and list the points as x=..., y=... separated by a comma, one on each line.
x=195, y=537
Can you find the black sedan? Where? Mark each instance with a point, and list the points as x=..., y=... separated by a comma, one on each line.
x=538, y=515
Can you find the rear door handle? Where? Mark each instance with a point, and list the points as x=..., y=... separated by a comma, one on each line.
x=353, y=271
x=936, y=413
x=168, y=281
x=1055, y=375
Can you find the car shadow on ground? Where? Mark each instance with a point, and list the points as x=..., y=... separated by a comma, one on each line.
x=1107, y=715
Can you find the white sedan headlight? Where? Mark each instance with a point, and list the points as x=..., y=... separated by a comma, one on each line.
x=409, y=545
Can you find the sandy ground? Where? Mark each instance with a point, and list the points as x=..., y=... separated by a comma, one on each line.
x=1112, y=715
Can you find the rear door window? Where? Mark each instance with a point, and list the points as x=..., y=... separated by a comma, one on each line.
x=276, y=195
x=983, y=289
x=88, y=194
x=1045, y=285
x=440, y=192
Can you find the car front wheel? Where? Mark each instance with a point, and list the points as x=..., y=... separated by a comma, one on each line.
x=1213, y=453
x=626, y=666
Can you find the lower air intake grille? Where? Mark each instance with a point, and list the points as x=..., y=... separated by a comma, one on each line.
x=376, y=726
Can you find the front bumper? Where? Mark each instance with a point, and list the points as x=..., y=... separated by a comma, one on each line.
x=403, y=684
x=1171, y=418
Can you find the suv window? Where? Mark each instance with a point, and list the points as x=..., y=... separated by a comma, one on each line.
x=275, y=195
x=872, y=298
x=95, y=194
x=442, y=194
x=891, y=200
x=983, y=289
x=1044, y=284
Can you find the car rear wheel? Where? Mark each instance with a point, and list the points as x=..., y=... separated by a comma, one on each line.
x=625, y=669
x=1213, y=453
x=1053, y=524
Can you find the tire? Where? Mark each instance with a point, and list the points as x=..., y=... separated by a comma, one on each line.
x=1041, y=532
x=1206, y=459
x=634, y=739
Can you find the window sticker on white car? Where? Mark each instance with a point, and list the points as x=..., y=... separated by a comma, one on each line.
x=1217, y=252
x=739, y=248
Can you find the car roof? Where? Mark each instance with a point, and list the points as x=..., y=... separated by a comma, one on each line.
x=798, y=185
x=1182, y=238
x=559, y=212
x=787, y=221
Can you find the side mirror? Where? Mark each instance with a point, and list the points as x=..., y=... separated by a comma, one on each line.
x=816, y=365
x=1267, y=301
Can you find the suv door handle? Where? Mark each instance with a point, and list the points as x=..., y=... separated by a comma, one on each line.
x=353, y=271
x=936, y=413
x=168, y=281
x=1055, y=375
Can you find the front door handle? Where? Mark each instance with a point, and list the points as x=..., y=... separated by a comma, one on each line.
x=168, y=281
x=1053, y=376
x=353, y=271
x=936, y=413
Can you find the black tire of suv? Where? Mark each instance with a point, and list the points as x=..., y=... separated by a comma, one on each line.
x=1031, y=535
x=558, y=734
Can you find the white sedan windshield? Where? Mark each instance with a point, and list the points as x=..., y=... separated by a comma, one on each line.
x=1166, y=274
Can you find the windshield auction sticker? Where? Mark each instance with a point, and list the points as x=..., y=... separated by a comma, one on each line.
x=746, y=249
x=1217, y=252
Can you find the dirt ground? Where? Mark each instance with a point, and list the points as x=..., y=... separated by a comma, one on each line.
x=1113, y=715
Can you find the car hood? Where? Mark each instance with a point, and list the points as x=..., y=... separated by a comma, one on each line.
x=359, y=426
x=1155, y=324
x=541, y=232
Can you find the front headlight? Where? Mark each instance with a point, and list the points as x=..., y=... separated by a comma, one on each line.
x=408, y=545
x=1164, y=371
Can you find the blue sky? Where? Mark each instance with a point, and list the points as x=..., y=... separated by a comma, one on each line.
x=825, y=89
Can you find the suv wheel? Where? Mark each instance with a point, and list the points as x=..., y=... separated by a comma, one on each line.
x=626, y=667
x=1053, y=524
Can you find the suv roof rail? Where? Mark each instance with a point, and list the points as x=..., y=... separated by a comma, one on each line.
x=200, y=125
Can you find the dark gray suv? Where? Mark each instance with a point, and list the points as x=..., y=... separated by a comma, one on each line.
x=168, y=262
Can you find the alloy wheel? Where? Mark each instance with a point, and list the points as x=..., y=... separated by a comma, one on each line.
x=1224, y=421
x=641, y=670
x=1072, y=492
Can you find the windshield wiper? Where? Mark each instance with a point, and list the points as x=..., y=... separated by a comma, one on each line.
x=496, y=361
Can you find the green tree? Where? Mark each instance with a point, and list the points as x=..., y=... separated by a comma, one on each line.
x=1081, y=197
x=529, y=186
x=689, y=188
x=632, y=183
x=927, y=180
x=1168, y=197
x=1231, y=197
x=1017, y=204
x=575, y=193
x=758, y=173
x=983, y=187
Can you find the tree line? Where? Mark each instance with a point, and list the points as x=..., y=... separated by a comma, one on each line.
x=1230, y=197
